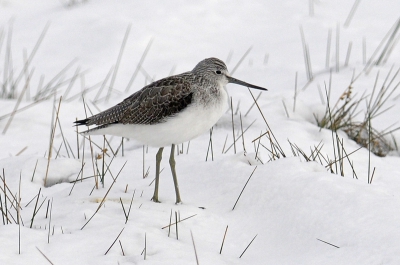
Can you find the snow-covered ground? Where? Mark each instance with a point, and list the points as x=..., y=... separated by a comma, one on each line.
x=299, y=212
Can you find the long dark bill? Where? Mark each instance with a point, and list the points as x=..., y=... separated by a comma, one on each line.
x=239, y=82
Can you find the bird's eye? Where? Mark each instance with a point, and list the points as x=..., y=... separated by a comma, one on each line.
x=218, y=72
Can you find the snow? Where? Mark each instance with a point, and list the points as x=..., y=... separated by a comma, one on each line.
x=290, y=204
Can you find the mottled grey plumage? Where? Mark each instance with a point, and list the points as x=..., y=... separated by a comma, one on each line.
x=170, y=111
x=150, y=105
x=163, y=98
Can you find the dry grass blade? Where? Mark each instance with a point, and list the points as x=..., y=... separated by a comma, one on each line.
x=23, y=108
x=52, y=86
x=328, y=49
x=19, y=219
x=130, y=206
x=348, y=54
x=33, y=53
x=389, y=44
x=115, y=241
x=327, y=243
x=248, y=246
x=5, y=195
x=80, y=172
x=223, y=240
x=337, y=46
x=51, y=210
x=369, y=147
x=346, y=156
x=181, y=220
x=258, y=146
x=269, y=128
x=145, y=246
x=241, y=128
x=7, y=62
x=51, y=142
x=295, y=93
x=22, y=150
x=306, y=53
x=364, y=49
x=252, y=105
x=91, y=150
x=17, y=104
x=34, y=209
x=170, y=220
x=105, y=196
x=121, y=51
x=248, y=127
x=139, y=65
x=194, y=247
x=285, y=108
x=109, y=146
x=299, y=151
x=176, y=225
x=371, y=62
x=103, y=84
x=244, y=187
x=65, y=141
x=45, y=256
x=72, y=81
x=11, y=198
x=351, y=14
x=233, y=128
x=210, y=146
x=123, y=252
x=241, y=60
x=83, y=92
x=372, y=176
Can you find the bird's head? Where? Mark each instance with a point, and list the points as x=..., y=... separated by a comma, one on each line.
x=215, y=70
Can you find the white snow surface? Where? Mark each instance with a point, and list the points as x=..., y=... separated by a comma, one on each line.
x=294, y=207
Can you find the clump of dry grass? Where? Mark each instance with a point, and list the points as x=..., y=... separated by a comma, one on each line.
x=342, y=116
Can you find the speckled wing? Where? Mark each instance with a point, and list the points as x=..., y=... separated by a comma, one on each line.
x=150, y=105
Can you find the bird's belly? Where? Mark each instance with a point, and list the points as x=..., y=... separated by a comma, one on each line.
x=184, y=126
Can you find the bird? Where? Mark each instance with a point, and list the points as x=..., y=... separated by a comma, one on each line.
x=170, y=111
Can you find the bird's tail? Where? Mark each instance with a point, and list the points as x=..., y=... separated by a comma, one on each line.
x=81, y=122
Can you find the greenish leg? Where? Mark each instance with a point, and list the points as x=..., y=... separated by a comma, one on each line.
x=172, y=164
x=158, y=162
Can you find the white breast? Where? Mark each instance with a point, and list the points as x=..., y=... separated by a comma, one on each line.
x=184, y=126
